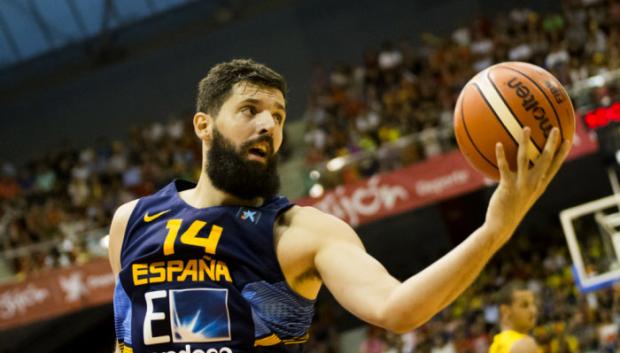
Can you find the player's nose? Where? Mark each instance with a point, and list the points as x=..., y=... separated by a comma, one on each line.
x=265, y=123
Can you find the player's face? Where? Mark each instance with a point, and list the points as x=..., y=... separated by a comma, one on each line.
x=522, y=311
x=252, y=119
x=244, y=139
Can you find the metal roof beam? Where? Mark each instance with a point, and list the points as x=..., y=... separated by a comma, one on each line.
x=110, y=12
x=151, y=5
x=10, y=39
x=41, y=23
x=77, y=17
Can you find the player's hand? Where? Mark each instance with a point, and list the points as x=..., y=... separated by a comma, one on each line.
x=517, y=191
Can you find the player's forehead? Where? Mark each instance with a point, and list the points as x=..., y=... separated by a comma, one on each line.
x=249, y=92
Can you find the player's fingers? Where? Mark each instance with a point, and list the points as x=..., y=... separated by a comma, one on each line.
x=502, y=164
x=543, y=163
x=558, y=159
x=522, y=159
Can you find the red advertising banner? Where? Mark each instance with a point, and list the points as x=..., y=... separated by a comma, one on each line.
x=387, y=194
x=433, y=180
x=56, y=292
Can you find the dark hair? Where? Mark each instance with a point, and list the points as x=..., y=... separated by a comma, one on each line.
x=216, y=87
x=505, y=295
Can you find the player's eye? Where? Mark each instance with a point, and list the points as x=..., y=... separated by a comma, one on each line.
x=249, y=110
x=279, y=118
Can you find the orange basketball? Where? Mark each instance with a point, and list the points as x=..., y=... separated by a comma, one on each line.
x=499, y=102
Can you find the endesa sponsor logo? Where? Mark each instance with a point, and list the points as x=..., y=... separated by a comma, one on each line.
x=193, y=315
x=188, y=349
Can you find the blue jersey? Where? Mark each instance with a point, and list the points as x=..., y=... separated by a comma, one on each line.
x=205, y=280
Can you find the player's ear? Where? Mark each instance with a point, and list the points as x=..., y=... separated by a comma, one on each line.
x=504, y=311
x=203, y=126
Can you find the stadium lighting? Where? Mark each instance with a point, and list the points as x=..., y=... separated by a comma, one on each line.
x=335, y=164
x=596, y=81
x=104, y=242
x=315, y=175
x=316, y=190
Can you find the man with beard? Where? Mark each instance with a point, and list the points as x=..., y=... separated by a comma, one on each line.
x=226, y=266
x=517, y=306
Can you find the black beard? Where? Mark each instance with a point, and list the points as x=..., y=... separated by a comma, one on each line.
x=231, y=171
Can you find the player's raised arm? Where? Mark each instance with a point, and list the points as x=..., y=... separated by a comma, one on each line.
x=363, y=286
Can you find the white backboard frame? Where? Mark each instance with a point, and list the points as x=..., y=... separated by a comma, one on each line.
x=585, y=283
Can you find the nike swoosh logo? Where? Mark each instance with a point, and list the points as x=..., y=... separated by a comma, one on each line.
x=150, y=218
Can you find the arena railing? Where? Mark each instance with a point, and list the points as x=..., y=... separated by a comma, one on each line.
x=61, y=251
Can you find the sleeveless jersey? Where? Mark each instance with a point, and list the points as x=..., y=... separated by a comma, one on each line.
x=205, y=280
x=503, y=341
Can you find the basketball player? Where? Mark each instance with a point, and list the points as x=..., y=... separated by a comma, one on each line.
x=518, y=311
x=225, y=266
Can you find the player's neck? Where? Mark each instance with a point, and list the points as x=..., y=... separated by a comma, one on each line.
x=205, y=194
x=508, y=326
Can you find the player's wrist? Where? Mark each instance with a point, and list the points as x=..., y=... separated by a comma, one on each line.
x=497, y=232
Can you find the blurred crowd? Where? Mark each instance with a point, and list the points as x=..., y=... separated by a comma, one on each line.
x=48, y=206
x=404, y=90
x=569, y=321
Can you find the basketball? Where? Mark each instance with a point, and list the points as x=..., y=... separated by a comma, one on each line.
x=497, y=103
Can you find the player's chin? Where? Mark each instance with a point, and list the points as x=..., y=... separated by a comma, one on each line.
x=532, y=323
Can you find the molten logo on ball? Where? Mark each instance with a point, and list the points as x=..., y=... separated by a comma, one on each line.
x=495, y=106
x=529, y=103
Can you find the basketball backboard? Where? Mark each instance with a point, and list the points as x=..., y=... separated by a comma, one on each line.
x=592, y=231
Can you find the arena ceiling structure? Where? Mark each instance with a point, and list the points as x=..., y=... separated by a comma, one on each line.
x=30, y=28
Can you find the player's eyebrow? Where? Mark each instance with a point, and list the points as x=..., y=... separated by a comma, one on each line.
x=258, y=102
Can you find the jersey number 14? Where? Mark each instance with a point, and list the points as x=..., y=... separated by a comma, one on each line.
x=190, y=236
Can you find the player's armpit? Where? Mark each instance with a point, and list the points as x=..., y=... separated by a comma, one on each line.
x=117, y=233
x=524, y=345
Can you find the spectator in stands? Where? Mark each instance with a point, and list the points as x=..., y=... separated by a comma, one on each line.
x=375, y=341
x=417, y=89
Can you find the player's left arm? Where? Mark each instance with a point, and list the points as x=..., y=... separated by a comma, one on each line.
x=364, y=287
